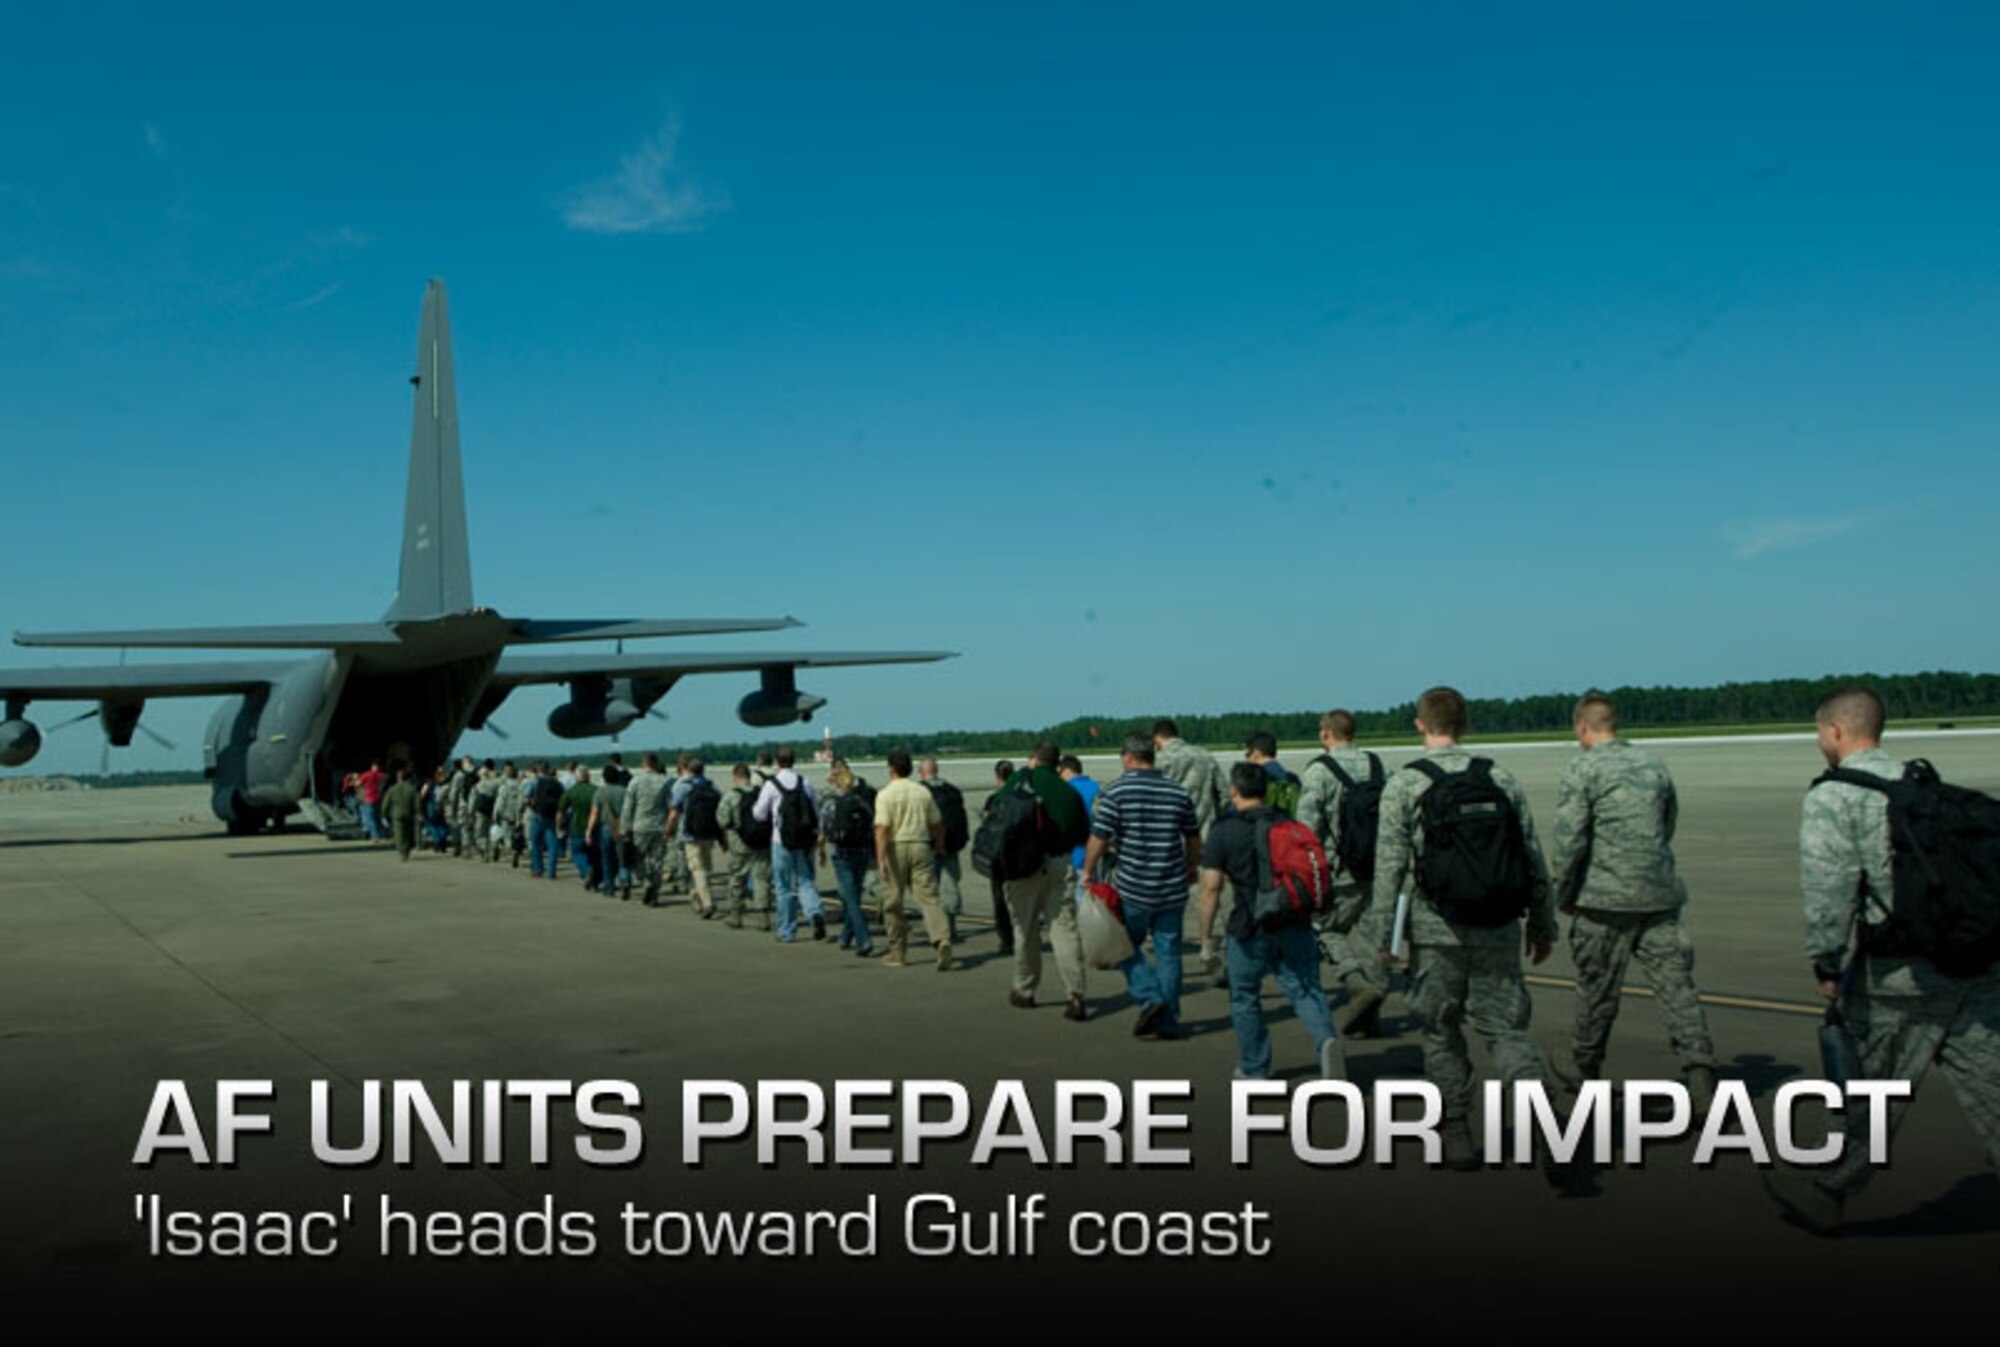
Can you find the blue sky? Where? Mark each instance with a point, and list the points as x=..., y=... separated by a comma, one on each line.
x=1155, y=359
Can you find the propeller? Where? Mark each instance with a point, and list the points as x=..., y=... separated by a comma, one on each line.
x=156, y=737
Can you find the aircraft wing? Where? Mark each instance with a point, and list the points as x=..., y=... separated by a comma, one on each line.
x=529, y=630
x=136, y=681
x=364, y=635
x=312, y=636
x=519, y=670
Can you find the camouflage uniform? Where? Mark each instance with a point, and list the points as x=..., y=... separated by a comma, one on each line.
x=1353, y=952
x=1460, y=973
x=644, y=821
x=507, y=817
x=1614, y=866
x=458, y=808
x=1904, y=1014
x=747, y=886
x=1196, y=771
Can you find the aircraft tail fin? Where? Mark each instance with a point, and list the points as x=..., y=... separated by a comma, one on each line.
x=436, y=574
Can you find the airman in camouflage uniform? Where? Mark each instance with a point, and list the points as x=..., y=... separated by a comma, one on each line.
x=485, y=798
x=1904, y=1013
x=1350, y=931
x=1194, y=770
x=748, y=881
x=1613, y=871
x=644, y=821
x=458, y=805
x=1460, y=973
x=507, y=806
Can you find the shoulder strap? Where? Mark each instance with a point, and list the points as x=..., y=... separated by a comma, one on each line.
x=1376, y=775
x=1263, y=844
x=1342, y=777
x=1847, y=776
x=1482, y=768
x=1430, y=769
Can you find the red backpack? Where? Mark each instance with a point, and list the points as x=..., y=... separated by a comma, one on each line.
x=1293, y=878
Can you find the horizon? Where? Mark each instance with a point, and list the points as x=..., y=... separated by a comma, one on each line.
x=1301, y=356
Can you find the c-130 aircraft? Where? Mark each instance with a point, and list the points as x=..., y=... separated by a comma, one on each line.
x=404, y=688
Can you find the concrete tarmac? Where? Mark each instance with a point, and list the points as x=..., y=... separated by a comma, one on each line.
x=137, y=943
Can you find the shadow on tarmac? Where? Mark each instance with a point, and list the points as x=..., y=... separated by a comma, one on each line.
x=1969, y=1207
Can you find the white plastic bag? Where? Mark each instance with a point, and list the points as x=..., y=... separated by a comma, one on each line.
x=1105, y=942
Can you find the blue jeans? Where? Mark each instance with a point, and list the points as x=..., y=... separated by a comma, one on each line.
x=1291, y=954
x=792, y=872
x=850, y=870
x=371, y=822
x=583, y=854
x=615, y=875
x=1157, y=983
x=542, y=840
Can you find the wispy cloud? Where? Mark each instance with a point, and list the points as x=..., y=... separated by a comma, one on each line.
x=645, y=196
x=319, y=296
x=154, y=141
x=334, y=242
x=1754, y=539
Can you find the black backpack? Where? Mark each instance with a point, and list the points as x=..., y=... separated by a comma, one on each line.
x=755, y=832
x=853, y=820
x=1474, y=868
x=1360, y=817
x=1945, y=863
x=951, y=804
x=698, y=813
x=1009, y=844
x=546, y=795
x=798, y=825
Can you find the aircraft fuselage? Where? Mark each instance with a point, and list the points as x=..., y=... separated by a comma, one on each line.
x=338, y=712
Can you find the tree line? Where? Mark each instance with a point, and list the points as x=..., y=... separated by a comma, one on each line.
x=1781, y=701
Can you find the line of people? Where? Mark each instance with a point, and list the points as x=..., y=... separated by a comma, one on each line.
x=1436, y=867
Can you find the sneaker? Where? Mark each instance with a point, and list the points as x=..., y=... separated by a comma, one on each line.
x=734, y=921
x=893, y=959
x=944, y=957
x=1332, y=1060
x=1149, y=1019
x=1076, y=1009
x=1021, y=1000
x=1804, y=1200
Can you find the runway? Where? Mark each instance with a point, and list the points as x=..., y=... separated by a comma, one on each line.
x=138, y=943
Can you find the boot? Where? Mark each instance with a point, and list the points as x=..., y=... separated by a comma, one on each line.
x=1569, y=1070
x=1459, y=1152
x=1361, y=1015
x=1802, y=1199
x=1701, y=1089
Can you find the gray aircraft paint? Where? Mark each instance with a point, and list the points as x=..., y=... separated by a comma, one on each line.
x=409, y=685
x=436, y=574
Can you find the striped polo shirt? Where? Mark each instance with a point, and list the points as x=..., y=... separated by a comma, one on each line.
x=1149, y=819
